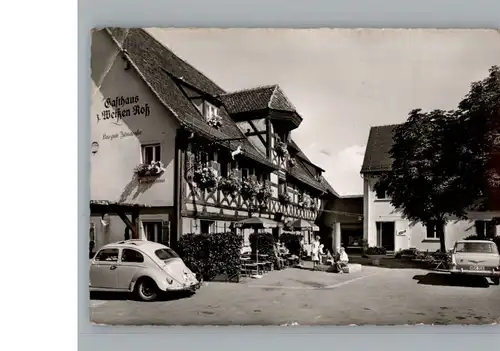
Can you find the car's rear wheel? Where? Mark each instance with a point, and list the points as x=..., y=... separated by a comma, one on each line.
x=146, y=290
x=496, y=280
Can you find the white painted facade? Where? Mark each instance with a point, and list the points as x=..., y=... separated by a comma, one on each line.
x=405, y=234
x=125, y=118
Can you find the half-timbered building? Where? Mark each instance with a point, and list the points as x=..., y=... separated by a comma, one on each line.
x=190, y=156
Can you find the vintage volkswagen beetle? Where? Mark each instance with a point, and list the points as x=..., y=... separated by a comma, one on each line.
x=476, y=257
x=143, y=267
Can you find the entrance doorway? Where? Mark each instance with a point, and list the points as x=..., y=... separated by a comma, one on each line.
x=386, y=235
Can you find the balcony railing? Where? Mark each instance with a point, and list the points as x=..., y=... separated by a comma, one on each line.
x=216, y=198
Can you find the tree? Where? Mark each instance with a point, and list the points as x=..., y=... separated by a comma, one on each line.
x=444, y=162
x=427, y=183
x=480, y=118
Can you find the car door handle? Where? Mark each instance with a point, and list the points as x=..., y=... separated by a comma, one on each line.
x=112, y=268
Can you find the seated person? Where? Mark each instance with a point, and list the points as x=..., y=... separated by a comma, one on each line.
x=283, y=250
x=329, y=258
x=342, y=260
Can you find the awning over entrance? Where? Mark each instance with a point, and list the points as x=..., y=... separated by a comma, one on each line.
x=103, y=207
x=302, y=224
x=257, y=223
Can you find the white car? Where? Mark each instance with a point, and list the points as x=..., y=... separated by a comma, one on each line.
x=476, y=257
x=143, y=267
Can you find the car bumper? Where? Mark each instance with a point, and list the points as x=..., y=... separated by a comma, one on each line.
x=186, y=287
x=477, y=273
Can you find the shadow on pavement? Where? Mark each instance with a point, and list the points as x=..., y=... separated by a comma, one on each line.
x=94, y=295
x=450, y=280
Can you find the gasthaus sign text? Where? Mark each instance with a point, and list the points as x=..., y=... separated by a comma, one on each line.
x=120, y=107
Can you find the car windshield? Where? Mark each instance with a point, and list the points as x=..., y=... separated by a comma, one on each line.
x=165, y=254
x=477, y=248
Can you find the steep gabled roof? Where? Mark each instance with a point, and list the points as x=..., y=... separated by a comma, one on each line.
x=160, y=69
x=259, y=98
x=163, y=72
x=377, y=157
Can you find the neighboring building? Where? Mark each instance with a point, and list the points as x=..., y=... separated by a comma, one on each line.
x=384, y=226
x=148, y=105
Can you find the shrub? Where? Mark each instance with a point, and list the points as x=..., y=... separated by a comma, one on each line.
x=211, y=254
x=376, y=250
x=292, y=242
x=265, y=243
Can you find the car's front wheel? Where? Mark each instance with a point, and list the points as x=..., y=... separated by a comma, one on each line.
x=496, y=280
x=146, y=290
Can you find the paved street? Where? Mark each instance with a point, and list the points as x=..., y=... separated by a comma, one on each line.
x=374, y=296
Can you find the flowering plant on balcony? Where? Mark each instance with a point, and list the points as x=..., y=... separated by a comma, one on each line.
x=249, y=189
x=304, y=200
x=292, y=162
x=313, y=204
x=215, y=121
x=284, y=198
x=205, y=178
x=264, y=193
x=150, y=169
x=281, y=149
x=230, y=184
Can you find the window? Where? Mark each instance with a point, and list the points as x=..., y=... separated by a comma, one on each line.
x=210, y=111
x=431, y=230
x=206, y=227
x=166, y=253
x=223, y=168
x=151, y=153
x=485, y=229
x=107, y=255
x=245, y=173
x=380, y=194
x=152, y=230
x=129, y=255
x=475, y=247
x=282, y=188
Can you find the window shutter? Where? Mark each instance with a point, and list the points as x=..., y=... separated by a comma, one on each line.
x=165, y=233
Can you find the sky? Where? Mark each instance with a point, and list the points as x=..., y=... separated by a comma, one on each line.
x=342, y=81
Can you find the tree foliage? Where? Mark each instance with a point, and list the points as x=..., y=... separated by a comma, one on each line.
x=442, y=160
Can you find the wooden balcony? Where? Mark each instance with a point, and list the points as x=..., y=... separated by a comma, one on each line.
x=200, y=201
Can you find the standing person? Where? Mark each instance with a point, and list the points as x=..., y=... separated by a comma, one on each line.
x=315, y=252
x=301, y=251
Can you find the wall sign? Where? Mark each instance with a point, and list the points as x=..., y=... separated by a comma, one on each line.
x=122, y=134
x=119, y=107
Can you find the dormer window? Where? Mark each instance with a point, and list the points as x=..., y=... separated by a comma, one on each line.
x=210, y=111
x=211, y=114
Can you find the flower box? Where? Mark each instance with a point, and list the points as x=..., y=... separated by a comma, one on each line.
x=155, y=168
x=281, y=149
x=230, y=184
x=206, y=178
x=304, y=201
x=214, y=121
x=284, y=198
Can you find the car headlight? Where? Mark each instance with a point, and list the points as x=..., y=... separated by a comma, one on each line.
x=170, y=280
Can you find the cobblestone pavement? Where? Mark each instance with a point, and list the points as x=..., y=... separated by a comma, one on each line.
x=373, y=296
